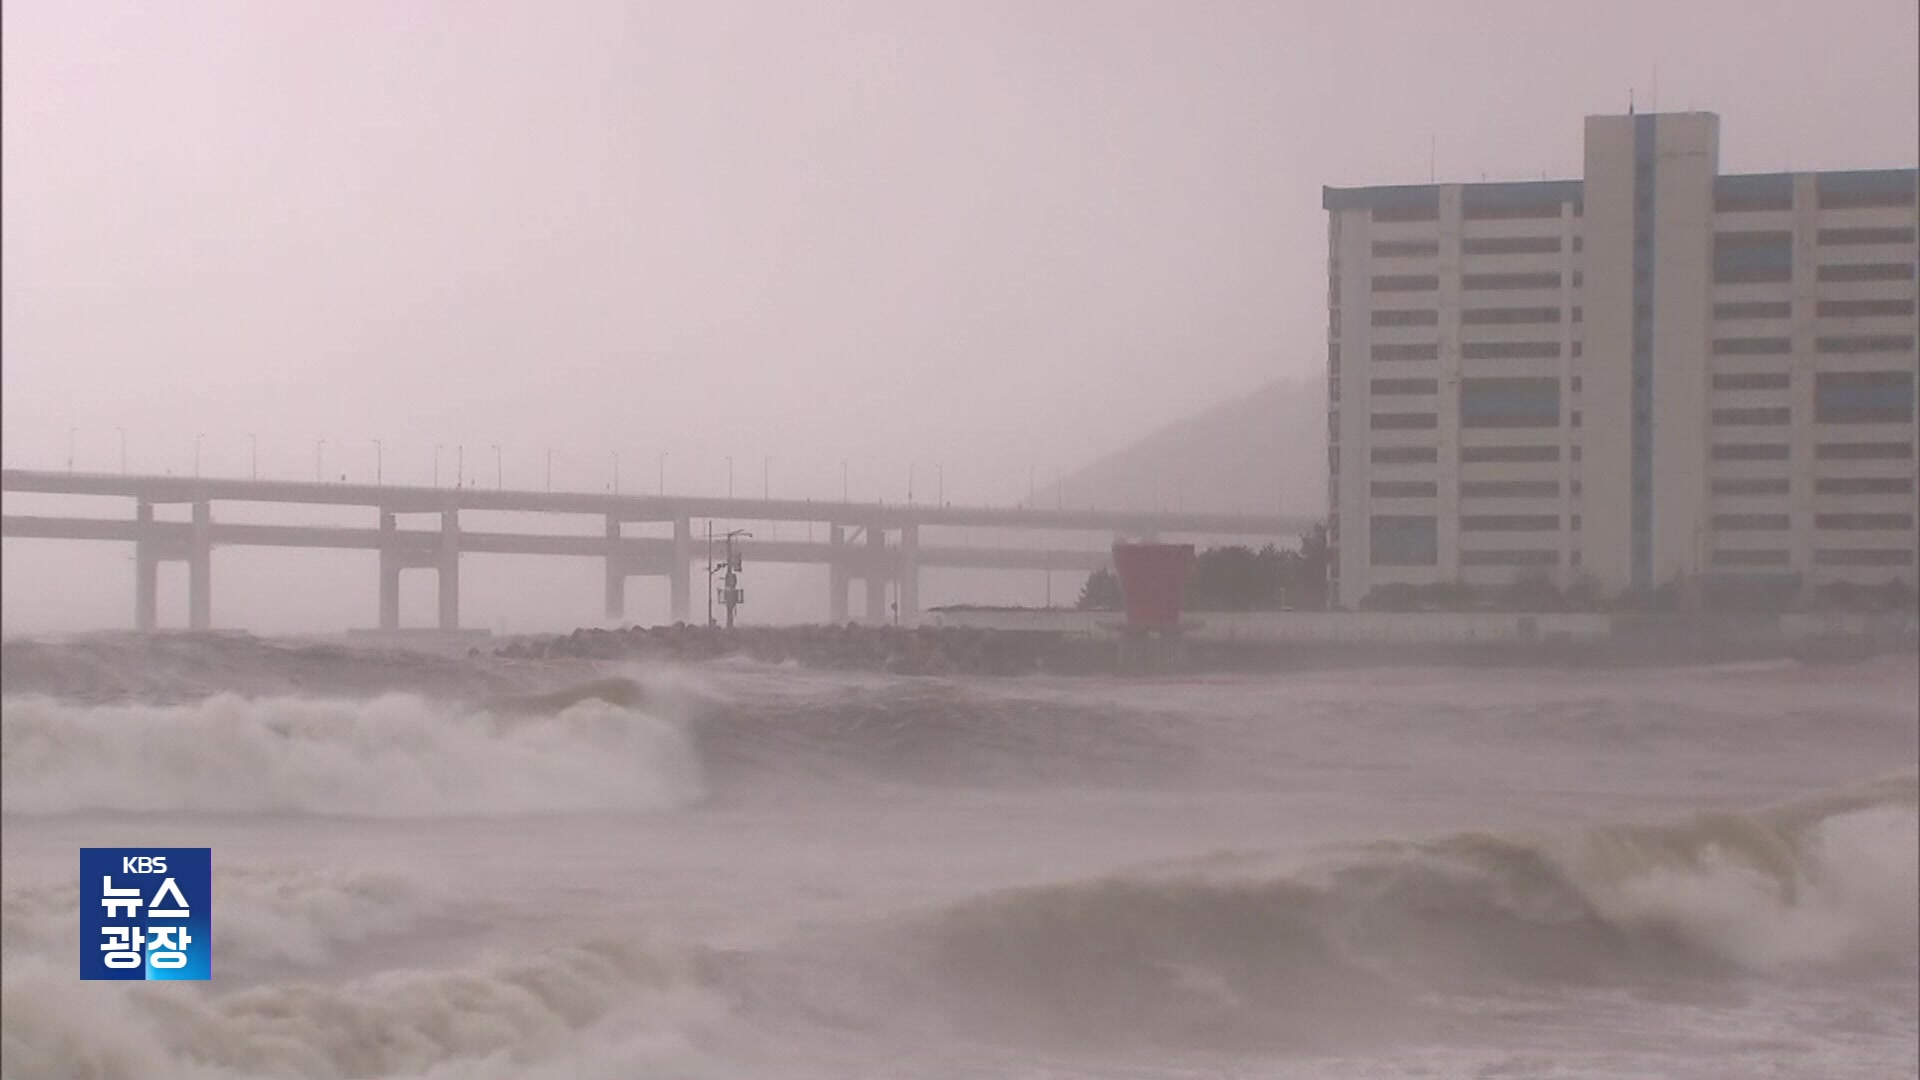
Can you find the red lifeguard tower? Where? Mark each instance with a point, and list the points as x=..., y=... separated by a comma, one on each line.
x=1153, y=589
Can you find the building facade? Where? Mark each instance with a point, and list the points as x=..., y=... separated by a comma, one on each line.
x=1655, y=375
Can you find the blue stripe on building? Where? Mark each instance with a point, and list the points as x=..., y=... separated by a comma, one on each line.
x=1644, y=156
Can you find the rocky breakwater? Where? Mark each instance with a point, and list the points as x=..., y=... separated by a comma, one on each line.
x=915, y=651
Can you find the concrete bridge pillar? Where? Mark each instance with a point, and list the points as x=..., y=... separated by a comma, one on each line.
x=616, y=582
x=449, y=570
x=390, y=566
x=680, y=573
x=837, y=576
x=876, y=576
x=200, y=569
x=146, y=572
x=909, y=574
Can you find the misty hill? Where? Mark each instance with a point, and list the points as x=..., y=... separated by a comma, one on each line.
x=1259, y=453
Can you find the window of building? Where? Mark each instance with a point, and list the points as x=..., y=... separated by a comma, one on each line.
x=1403, y=455
x=1510, y=245
x=1403, y=489
x=1403, y=540
x=1405, y=282
x=1509, y=350
x=1889, y=234
x=1509, y=489
x=1541, y=280
x=1753, y=380
x=1391, y=387
x=1520, y=557
x=1405, y=421
x=1863, y=557
x=1864, y=343
x=1511, y=316
x=1427, y=212
x=1751, y=451
x=1863, y=397
x=1510, y=402
x=1751, y=522
x=1862, y=308
x=1756, y=416
x=1753, y=309
x=1762, y=346
x=1756, y=256
x=1737, y=557
x=1405, y=317
x=1863, y=451
x=1845, y=191
x=1481, y=454
x=1751, y=486
x=1864, y=485
x=1902, y=271
x=1509, y=523
x=1416, y=351
x=1402, y=249
x=1507, y=211
x=1860, y=522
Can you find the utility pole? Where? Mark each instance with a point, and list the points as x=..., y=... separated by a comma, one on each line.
x=731, y=595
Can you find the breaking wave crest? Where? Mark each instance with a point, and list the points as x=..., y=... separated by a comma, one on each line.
x=499, y=1020
x=1232, y=951
x=395, y=756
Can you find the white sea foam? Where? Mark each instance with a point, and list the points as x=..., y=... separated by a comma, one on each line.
x=395, y=756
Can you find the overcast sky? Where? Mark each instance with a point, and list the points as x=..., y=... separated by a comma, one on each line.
x=987, y=234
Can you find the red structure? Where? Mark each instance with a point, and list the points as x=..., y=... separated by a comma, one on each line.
x=1153, y=583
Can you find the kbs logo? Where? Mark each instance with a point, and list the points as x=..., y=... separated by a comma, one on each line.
x=146, y=913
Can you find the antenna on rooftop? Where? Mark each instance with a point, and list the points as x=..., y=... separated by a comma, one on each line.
x=1629, y=101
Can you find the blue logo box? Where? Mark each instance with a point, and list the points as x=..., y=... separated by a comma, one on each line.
x=146, y=913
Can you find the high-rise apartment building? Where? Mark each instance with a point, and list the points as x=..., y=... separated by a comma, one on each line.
x=1654, y=374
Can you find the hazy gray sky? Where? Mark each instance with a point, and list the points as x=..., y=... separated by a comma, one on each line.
x=983, y=233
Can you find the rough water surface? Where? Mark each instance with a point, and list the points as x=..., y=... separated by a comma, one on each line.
x=447, y=868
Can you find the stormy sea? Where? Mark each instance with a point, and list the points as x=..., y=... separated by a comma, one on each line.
x=477, y=867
